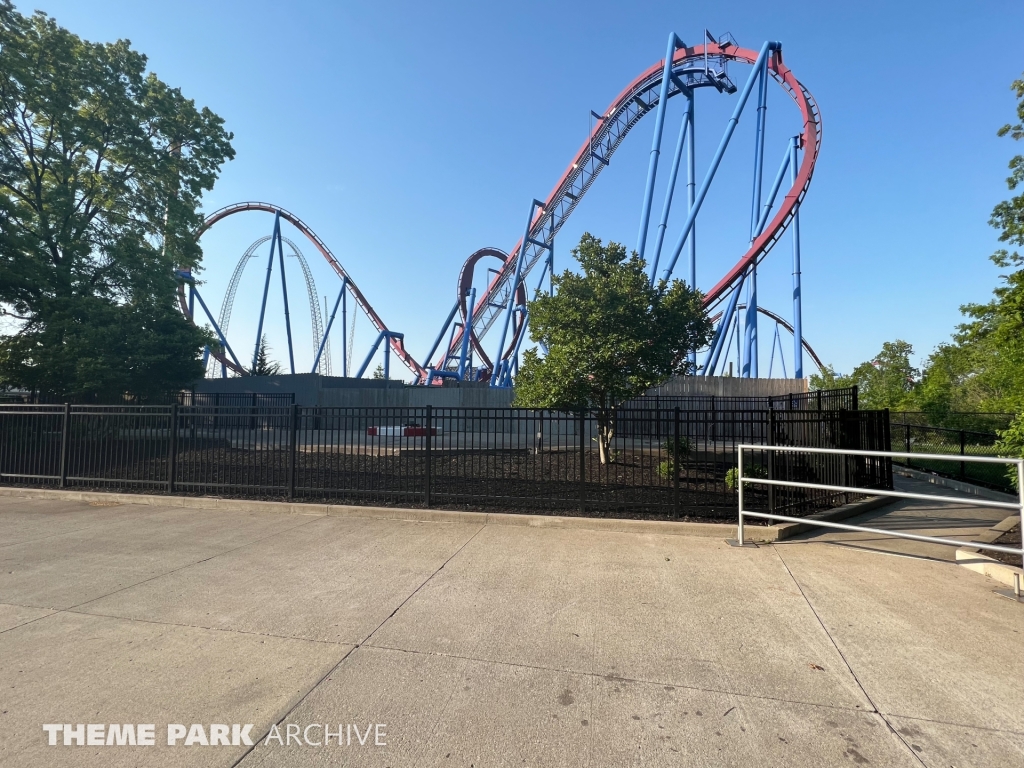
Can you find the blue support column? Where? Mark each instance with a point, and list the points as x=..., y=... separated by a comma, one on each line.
x=284, y=293
x=750, y=327
x=684, y=131
x=691, y=189
x=266, y=289
x=762, y=106
x=750, y=363
x=659, y=124
x=520, y=258
x=344, y=334
x=444, y=328
x=330, y=322
x=717, y=159
x=718, y=342
x=220, y=334
x=798, y=325
x=464, y=354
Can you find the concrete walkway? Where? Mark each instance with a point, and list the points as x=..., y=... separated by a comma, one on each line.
x=490, y=645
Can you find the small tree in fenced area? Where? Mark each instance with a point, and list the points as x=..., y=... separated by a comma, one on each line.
x=264, y=365
x=610, y=336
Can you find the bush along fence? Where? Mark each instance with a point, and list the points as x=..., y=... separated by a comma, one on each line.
x=663, y=464
x=916, y=438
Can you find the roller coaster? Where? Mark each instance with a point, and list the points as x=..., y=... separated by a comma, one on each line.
x=459, y=351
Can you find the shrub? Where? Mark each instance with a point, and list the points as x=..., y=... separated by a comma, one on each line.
x=752, y=470
x=668, y=445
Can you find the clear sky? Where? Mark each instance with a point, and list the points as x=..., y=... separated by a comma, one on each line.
x=410, y=134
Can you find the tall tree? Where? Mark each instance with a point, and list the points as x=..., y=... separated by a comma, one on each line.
x=887, y=381
x=1003, y=318
x=610, y=336
x=264, y=365
x=102, y=166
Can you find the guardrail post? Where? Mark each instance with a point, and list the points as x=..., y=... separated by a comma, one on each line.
x=65, y=440
x=172, y=456
x=739, y=490
x=583, y=462
x=430, y=440
x=963, y=450
x=293, y=449
x=675, y=463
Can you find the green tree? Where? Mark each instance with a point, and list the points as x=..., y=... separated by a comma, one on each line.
x=101, y=171
x=887, y=381
x=264, y=365
x=827, y=378
x=378, y=372
x=1001, y=322
x=610, y=336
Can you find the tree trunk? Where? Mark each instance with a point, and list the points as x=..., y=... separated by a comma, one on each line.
x=605, y=434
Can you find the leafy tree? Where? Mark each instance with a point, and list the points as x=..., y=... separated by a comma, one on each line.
x=264, y=365
x=610, y=336
x=827, y=378
x=101, y=170
x=378, y=372
x=887, y=381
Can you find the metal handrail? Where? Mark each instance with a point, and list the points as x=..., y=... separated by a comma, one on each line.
x=1018, y=505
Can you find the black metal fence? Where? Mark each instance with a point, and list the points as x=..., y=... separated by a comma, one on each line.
x=972, y=421
x=915, y=438
x=660, y=462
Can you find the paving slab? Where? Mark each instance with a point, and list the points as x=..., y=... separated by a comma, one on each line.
x=12, y=616
x=128, y=546
x=679, y=610
x=487, y=644
x=447, y=711
x=927, y=639
x=73, y=668
x=940, y=745
x=335, y=579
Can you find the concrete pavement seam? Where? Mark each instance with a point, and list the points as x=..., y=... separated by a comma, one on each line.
x=211, y=629
x=598, y=676
x=341, y=661
x=849, y=667
x=181, y=568
x=423, y=584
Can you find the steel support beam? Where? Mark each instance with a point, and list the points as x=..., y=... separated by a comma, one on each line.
x=330, y=322
x=266, y=289
x=798, y=330
x=464, y=354
x=520, y=259
x=659, y=124
x=716, y=161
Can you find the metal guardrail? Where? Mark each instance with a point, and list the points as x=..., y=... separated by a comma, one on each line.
x=1018, y=505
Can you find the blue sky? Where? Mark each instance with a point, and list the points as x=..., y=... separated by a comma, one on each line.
x=410, y=134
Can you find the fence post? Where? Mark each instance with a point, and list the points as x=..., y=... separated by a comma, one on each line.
x=293, y=449
x=771, y=460
x=583, y=462
x=675, y=463
x=172, y=456
x=430, y=440
x=963, y=450
x=906, y=432
x=65, y=440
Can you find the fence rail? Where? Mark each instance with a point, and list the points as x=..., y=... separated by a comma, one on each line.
x=916, y=439
x=661, y=462
x=884, y=456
